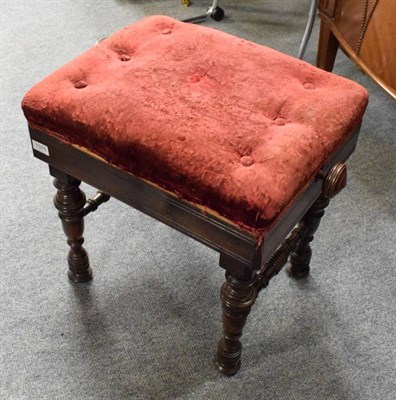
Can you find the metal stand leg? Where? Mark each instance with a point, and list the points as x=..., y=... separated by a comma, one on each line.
x=308, y=28
x=214, y=12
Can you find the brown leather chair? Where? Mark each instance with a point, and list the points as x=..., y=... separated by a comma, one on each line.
x=366, y=31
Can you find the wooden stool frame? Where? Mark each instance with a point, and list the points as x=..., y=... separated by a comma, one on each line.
x=249, y=262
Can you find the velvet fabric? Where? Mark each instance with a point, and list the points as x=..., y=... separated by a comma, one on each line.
x=231, y=125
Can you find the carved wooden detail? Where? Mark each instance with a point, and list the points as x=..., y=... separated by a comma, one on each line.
x=335, y=180
x=237, y=297
x=70, y=201
x=278, y=260
x=93, y=204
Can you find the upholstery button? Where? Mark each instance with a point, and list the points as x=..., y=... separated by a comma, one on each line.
x=195, y=78
x=166, y=31
x=246, y=161
x=124, y=57
x=80, y=84
x=280, y=121
x=309, y=85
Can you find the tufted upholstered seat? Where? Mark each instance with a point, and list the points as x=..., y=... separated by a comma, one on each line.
x=229, y=142
x=220, y=121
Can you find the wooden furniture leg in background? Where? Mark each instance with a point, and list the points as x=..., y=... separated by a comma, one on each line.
x=327, y=48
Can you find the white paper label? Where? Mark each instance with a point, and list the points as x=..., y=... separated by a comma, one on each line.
x=42, y=148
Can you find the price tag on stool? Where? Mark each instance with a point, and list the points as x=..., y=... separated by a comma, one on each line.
x=42, y=148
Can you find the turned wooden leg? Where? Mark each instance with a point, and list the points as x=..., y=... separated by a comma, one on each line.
x=327, y=48
x=333, y=183
x=70, y=201
x=237, y=297
x=301, y=256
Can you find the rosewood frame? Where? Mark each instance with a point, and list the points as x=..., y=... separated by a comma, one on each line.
x=249, y=261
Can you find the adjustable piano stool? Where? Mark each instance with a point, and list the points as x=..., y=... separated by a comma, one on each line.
x=234, y=144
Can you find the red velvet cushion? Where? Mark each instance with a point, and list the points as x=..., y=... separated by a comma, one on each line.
x=232, y=125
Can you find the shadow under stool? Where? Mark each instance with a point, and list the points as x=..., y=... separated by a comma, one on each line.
x=234, y=144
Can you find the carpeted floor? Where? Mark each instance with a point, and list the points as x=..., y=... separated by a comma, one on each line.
x=147, y=326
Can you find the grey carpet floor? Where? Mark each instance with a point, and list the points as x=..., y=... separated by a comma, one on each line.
x=147, y=326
